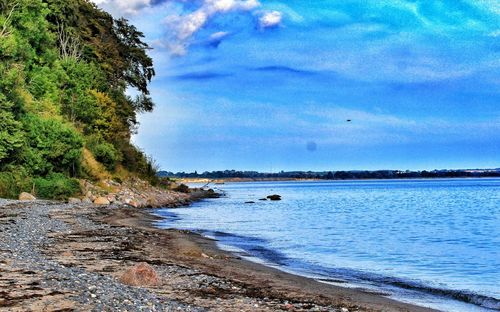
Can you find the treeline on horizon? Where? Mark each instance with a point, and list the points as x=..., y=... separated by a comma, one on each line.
x=334, y=175
x=65, y=67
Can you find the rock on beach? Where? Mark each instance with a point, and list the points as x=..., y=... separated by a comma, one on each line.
x=26, y=196
x=101, y=201
x=140, y=275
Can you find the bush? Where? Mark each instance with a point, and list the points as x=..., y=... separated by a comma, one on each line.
x=51, y=146
x=56, y=186
x=14, y=182
x=106, y=154
x=136, y=161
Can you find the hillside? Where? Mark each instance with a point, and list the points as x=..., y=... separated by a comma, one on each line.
x=65, y=67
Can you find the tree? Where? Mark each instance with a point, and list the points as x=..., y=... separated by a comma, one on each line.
x=11, y=137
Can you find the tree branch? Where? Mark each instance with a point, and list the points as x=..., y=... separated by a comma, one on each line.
x=4, y=32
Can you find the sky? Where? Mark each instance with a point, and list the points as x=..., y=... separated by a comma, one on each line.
x=271, y=85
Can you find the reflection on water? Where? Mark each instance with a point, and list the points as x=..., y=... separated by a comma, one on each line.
x=411, y=238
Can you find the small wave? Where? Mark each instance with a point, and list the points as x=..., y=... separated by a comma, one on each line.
x=460, y=295
x=255, y=247
x=251, y=245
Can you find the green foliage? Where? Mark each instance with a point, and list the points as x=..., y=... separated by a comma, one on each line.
x=52, y=146
x=79, y=79
x=56, y=186
x=105, y=153
x=13, y=182
x=65, y=67
x=11, y=137
x=136, y=161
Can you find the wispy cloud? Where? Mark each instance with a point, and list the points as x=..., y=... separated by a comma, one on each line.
x=270, y=19
x=284, y=69
x=216, y=38
x=201, y=76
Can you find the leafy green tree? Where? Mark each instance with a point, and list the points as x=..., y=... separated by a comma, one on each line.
x=65, y=67
x=51, y=146
x=11, y=137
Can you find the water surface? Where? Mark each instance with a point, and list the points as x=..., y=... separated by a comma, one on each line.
x=431, y=242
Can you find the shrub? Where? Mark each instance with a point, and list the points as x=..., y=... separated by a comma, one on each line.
x=91, y=168
x=106, y=154
x=56, y=186
x=134, y=160
x=14, y=182
x=52, y=146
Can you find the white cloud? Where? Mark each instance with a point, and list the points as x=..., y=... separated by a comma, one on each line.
x=121, y=7
x=270, y=19
x=185, y=26
x=219, y=35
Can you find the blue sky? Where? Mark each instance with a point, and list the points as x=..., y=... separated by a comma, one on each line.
x=270, y=85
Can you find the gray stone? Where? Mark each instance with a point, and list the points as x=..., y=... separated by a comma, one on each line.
x=26, y=196
x=73, y=200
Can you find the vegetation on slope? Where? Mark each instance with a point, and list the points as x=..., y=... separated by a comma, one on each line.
x=65, y=67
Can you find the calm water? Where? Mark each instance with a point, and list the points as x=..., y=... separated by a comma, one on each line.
x=431, y=242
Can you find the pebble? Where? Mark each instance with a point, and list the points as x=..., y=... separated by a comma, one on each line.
x=27, y=236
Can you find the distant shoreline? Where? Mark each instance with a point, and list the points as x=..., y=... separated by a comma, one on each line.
x=245, y=176
x=243, y=180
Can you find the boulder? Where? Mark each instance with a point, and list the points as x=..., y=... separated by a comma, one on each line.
x=134, y=203
x=263, y=199
x=141, y=274
x=26, y=196
x=173, y=185
x=111, y=198
x=101, y=201
x=210, y=193
x=73, y=200
x=274, y=197
x=86, y=200
x=183, y=188
x=250, y=202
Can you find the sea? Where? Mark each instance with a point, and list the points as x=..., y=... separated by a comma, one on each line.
x=433, y=243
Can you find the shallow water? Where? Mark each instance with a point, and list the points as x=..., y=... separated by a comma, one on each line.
x=431, y=242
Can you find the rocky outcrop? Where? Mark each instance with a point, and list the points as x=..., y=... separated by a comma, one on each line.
x=140, y=275
x=183, y=188
x=274, y=197
x=140, y=194
x=101, y=201
x=26, y=196
x=135, y=193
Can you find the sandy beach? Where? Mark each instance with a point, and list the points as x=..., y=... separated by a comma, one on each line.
x=63, y=257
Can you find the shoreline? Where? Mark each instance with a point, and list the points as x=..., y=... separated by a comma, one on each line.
x=206, y=256
x=104, y=241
